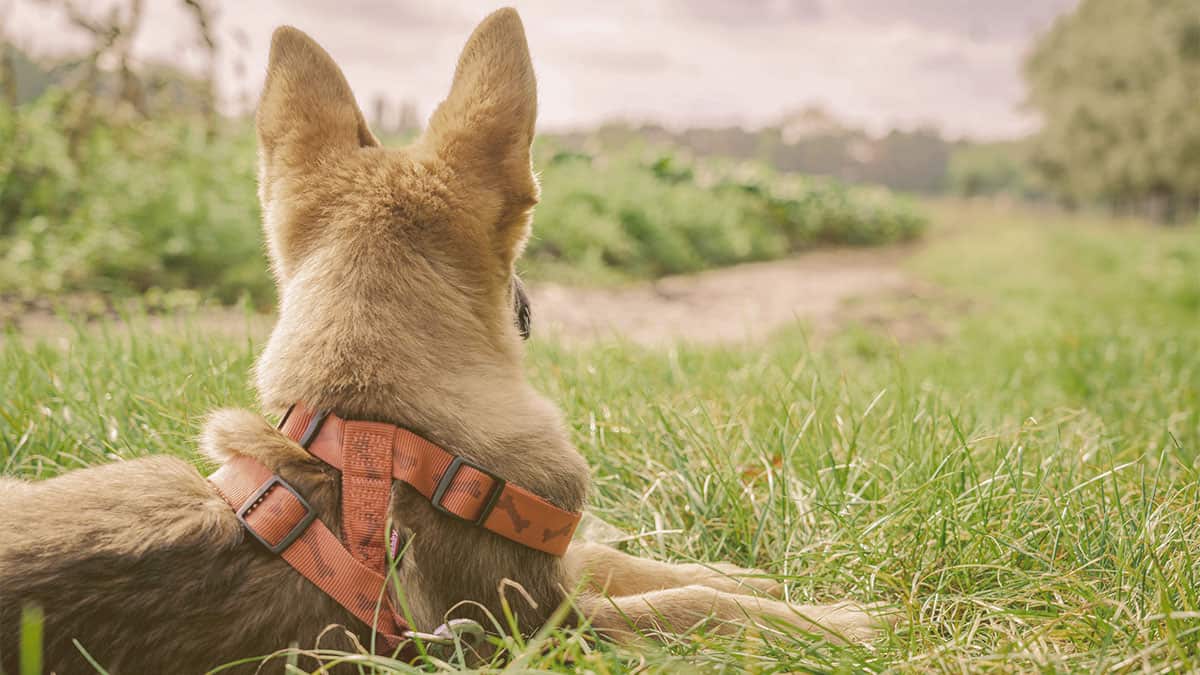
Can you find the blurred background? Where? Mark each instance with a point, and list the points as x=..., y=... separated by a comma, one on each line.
x=675, y=136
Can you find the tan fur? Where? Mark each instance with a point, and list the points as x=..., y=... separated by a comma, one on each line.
x=613, y=573
x=394, y=269
x=680, y=610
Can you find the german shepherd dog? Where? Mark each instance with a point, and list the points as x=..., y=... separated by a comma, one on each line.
x=396, y=285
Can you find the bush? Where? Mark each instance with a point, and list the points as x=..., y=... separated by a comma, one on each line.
x=143, y=208
x=166, y=209
x=991, y=169
x=647, y=213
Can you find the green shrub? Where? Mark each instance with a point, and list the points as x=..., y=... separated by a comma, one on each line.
x=141, y=208
x=166, y=209
x=649, y=213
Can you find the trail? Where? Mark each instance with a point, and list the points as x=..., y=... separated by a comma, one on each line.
x=825, y=289
x=741, y=303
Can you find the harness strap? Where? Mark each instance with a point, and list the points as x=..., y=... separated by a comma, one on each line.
x=366, y=491
x=274, y=513
x=453, y=485
x=370, y=455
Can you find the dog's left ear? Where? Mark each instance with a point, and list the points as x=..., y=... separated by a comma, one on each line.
x=307, y=109
x=484, y=128
x=307, y=117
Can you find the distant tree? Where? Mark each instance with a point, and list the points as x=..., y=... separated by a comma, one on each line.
x=8, y=74
x=993, y=169
x=814, y=141
x=1116, y=83
x=809, y=141
x=915, y=161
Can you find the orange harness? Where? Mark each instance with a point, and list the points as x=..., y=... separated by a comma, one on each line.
x=353, y=570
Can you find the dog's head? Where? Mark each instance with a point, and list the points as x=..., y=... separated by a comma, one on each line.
x=396, y=254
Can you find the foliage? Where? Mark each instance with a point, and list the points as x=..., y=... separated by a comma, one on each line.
x=809, y=141
x=139, y=207
x=990, y=169
x=647, y=213
x=1026, y=494
x=1115, y=84
x=167, y=207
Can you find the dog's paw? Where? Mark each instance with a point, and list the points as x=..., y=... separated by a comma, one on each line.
x=849, y=621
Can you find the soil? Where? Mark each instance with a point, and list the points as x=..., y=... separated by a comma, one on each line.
x=741, y=303
x=825, y=289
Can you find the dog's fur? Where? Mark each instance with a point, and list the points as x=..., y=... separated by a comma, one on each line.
x=395, y=271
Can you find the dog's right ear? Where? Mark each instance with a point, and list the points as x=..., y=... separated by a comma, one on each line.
x=484, y=128
x=486, y=122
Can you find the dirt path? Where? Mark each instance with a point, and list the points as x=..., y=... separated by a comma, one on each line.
x=745, y=302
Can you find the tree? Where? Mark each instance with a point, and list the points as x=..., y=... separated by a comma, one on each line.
x=1116, y=83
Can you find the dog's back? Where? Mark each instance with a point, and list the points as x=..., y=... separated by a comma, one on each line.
x=395, y=271
x=127, y=559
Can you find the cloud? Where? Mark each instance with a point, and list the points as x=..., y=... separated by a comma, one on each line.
x=954, y=63
x=399, y=16
x=752, y=12
x=975, y=19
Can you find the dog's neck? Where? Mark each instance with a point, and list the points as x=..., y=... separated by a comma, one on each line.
x=426, y=361
x=457, y=390
x=489, y=415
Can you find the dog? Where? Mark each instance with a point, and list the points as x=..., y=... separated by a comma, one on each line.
x=398, y=305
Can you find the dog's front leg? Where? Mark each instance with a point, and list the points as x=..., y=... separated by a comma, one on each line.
x=12, y=486
x=678, y=610
x=644, y=594
x=608, y=571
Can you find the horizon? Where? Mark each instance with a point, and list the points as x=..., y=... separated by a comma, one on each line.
x=950, y=65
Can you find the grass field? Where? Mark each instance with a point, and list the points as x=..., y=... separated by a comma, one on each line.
x=1024, y=490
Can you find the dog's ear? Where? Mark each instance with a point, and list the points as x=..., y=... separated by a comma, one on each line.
x=306, y=116
x=484, y=128
x=307, y=109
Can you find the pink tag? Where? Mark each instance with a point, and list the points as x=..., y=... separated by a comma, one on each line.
x=395, y=542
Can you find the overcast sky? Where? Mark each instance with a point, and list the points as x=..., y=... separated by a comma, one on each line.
x=878, y=63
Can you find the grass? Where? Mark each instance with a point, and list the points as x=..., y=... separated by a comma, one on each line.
x=1024, y=490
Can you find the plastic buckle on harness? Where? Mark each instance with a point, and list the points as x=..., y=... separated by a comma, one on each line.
x=443, y=485
x=466, y=632
x=297, y=530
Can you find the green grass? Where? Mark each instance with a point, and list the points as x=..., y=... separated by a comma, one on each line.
x=1024, y=490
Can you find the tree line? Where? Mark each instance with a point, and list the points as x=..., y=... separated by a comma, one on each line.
x=1116, y=84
